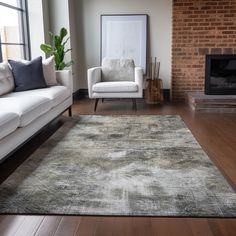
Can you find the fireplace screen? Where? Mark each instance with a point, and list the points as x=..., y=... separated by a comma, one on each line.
x=220, y=74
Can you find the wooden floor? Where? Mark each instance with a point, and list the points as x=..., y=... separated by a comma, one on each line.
x=216, y=133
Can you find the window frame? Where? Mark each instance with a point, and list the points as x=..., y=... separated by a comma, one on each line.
x=24, y=29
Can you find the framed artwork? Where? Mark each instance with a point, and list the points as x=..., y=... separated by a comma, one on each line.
x=125, y=36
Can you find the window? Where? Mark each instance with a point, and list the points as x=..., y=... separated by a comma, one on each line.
x=14, y=34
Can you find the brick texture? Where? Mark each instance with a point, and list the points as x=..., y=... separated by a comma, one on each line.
x=200, y=27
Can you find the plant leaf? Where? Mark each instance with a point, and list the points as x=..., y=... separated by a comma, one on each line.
x=46, y=48
x=57, y=41
x=57, y=48
x=69, y=63
x=66, y=41
x=68, y=50
x=63, y=33
x=62, y=65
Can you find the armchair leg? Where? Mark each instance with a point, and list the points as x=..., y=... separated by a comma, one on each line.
x=70, y=111
x=96, y=103
x=134, y=104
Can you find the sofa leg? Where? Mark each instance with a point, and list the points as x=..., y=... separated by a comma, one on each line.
x=134, y=104
x=102, y=100
x=70, y=111
x=96, y=103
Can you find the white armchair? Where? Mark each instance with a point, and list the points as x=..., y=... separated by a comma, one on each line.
x=116, y=78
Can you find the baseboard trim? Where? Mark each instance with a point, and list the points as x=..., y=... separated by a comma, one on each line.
x=80, y=93
x=83, y=93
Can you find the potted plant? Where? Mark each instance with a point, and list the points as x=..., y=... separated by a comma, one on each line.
x=58, y=49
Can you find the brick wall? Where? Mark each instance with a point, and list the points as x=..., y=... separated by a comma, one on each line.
x=199, y=27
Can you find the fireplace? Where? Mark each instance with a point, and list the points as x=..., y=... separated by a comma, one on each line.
x=220, y=75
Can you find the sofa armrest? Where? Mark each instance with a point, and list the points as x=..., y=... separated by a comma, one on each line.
x=138, y=77
x=64, y=77
x=94, y=76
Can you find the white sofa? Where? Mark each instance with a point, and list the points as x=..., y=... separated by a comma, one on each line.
x=116, y=78
x=22, y=114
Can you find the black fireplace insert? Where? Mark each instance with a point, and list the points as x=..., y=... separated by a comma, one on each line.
x=220, y=75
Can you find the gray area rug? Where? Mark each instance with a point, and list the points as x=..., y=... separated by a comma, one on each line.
x=119, y=165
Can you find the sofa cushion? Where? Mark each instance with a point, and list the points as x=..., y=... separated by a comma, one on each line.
x=28, y=75
x=56, y=94
x=9, y=121
x=6, y=79
x=28, y=108
x=115, y=87
x=117, y=69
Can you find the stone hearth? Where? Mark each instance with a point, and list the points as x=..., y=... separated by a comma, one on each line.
x=198, y=101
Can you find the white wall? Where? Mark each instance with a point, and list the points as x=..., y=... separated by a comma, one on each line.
x=38, y=25
x=58, y=15
x=61, y=14
x=74, y=43
x=88, y=31
x=46, y=20
x=50, y=16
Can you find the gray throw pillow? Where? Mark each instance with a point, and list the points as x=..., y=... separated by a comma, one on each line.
x=28, y=76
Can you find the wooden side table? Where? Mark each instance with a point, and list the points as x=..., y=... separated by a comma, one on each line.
x=154, y=91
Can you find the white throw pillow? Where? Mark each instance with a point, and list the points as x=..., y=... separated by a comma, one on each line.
x=6, y=79
x=49, y=71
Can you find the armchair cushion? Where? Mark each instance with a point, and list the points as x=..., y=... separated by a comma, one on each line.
x=115, y=87
x=117, y=69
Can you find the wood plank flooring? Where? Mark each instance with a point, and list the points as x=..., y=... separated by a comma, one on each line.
x=216, y=133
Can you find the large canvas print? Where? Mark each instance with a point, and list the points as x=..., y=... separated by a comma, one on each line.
x=125, y=36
